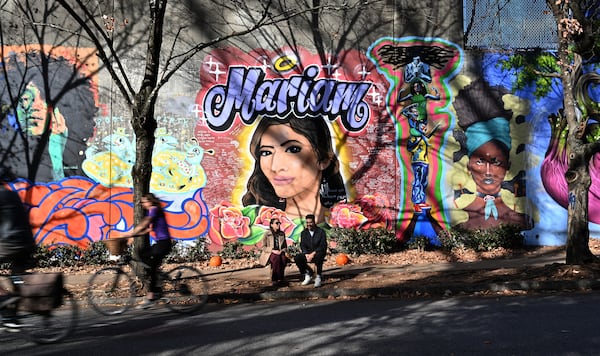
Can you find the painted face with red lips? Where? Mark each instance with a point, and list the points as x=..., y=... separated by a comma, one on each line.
x=488, y=165
x=290, y=163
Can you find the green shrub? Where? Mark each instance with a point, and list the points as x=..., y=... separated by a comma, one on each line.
x=350, y=241
x=504, y=236
x=58, y=256
x=293, y=250
x=236, y=250
x=359, y=242
x=95, y=254
x=420, y=243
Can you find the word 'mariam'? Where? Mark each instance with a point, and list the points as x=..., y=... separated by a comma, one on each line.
x=250, y=95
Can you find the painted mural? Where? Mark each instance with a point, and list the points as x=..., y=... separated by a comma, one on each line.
x=492, y=190
x=419, y=72
x=71, y=165
x=45, y=127
x=545, y=152
x=295, y=136
x=398, y=136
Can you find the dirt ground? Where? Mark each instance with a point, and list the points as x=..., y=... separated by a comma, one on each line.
x=372, y=278
x=369, y=278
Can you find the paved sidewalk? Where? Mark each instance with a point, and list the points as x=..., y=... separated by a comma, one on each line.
x=253, y=284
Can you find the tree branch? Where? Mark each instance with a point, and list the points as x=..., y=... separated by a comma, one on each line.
x=122, y=82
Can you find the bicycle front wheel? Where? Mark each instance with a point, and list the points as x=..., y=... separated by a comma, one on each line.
x=46, y=327
x=111, y=291
x=184, y=290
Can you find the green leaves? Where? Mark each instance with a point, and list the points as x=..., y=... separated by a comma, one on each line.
x=358, y=242
x=535, y=68
x=505, y=236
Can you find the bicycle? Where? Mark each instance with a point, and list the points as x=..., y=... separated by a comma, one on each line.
x=113, y=290
x=39, y=319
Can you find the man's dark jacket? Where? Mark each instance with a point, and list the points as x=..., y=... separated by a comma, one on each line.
x=317, y=242
x=15, y=230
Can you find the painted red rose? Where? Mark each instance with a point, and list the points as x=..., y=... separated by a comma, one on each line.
x=265, y=214
x=227, y=223
x=346, y=215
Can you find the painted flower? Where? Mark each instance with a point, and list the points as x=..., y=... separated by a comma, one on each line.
x=265, y=214
x=346, y=215
x=227, y=223
x=375, y=209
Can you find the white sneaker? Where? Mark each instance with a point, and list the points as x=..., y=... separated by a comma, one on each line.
x=307, y=279
x=318, y=281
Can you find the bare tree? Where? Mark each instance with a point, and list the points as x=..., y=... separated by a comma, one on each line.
x=53, y=77
x=577, y=39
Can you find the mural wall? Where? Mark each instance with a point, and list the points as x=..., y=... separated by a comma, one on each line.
x=399, y=136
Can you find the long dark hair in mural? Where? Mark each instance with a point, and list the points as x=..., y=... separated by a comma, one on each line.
x=263, y=187
x=47, y=115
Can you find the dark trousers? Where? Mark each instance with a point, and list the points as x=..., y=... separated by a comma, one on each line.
x=278, y=263
x=302, y=263
x=153, y=257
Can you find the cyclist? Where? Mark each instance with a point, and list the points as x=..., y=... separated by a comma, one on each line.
x=17, y=246
x=156, y=222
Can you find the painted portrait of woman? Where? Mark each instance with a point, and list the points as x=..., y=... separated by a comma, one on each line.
x=488, y=146
x=47, y=117
x=487, y=143
x=296, y=168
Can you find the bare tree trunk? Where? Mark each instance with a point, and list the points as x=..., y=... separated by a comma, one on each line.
x=579, y=182
x=578, y=175
x=143, y=121
x=144, y=125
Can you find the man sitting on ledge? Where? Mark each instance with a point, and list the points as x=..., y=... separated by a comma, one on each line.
x=313, y=244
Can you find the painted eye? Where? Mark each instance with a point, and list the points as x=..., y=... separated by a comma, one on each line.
x=293, y=149
x=264, y=153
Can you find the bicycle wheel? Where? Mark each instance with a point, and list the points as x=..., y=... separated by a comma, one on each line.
x=184, y=289
x=50, y=326
x=111, y=291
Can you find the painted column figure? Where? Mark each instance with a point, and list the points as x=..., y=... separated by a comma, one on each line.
x=418, y=146
x=418, y=143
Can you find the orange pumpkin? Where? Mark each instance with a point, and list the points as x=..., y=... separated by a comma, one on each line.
x=342, y=259
x=215, y=261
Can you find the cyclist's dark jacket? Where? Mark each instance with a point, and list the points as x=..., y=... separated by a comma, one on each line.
x=15, y=231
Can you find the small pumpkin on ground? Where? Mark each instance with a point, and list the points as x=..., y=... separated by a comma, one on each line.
x=342, y=259
x=215, y=261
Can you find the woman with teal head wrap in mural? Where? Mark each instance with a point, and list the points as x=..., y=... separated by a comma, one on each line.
x=488, y=145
